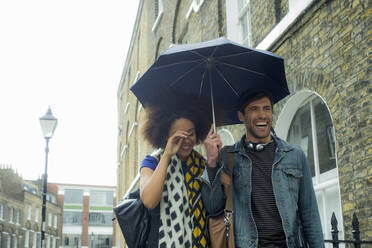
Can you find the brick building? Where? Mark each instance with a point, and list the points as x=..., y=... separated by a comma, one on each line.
x=325, y=44
x=87, y=215
x=20, y=213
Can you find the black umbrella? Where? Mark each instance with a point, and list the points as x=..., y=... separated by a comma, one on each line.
x=219, y=69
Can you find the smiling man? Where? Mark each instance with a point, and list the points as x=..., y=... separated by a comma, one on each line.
x=273, y=196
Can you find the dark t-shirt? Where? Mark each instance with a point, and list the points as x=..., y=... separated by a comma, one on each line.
x=264, y=209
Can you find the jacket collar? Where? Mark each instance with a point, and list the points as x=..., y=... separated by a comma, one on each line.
x=282, y=146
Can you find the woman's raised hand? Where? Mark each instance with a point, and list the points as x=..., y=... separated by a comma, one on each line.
x=174, y=142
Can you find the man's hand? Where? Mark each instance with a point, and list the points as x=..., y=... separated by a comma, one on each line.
x=212, y=144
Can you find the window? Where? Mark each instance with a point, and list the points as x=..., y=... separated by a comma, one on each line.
x=244, y=22
x=47, y=241
x=8, y=241
x=54, y=242
x=1, y=212
x=156, y=8
x=34, y=241
x=310, y=129
x=76, y=241
x=72, y=218
x=30, y=189
x=66, y=241
x=29, y=209
x=73, y=196
x=18, y=216
x=100, y=219
x=11, y=213
x=27, y=238
x=36, y=214
x=50, y=219
x=309, y=124
x=158, y=13
x=15, y=242
x=51, y=198
x=101, y=198
x=226, y=137
x=55, y=223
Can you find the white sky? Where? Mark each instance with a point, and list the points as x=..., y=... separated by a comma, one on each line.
x=70, y=55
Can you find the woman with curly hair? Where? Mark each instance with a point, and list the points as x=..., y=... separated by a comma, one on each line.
x=170, y=175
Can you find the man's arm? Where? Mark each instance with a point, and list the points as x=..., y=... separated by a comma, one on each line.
x=212, y=193
x=308, y=208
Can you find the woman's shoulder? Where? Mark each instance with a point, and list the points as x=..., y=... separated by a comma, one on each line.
x=157, y=153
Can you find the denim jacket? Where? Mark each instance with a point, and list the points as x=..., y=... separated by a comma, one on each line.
x=293, y=191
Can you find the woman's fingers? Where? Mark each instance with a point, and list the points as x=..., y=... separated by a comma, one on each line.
x=175, y=141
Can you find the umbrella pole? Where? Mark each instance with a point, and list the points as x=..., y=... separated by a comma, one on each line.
x=211, y=87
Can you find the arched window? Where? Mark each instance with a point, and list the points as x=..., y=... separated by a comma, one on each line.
x=226, y=137
x=305, y=120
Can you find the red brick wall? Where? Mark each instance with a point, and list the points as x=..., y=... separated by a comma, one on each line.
x=84, y=241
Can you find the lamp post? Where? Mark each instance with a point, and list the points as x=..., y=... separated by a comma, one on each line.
x=48, y=124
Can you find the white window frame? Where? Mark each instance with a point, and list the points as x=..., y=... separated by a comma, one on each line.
x=159, y=17
x=55, y=222
x=295, y=8
x=48, y=241
x=54, y=242
x=11, y=215
x=15, y=241
x=136, y=77
x=9, y=239
x=194, y=7
x=36, y=215
x=126, y=108
x=29, y=211
x=322, y=182
x=134, y=125
x=18, y=216
x=27, y=238
x=34, y=240
x=50, y=219
x=226, y=137
x=1, y=212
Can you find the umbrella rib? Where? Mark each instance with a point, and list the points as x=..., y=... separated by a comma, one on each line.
x=234, y=55
x=199, y=54
x=176, y=63
x=241, y=68
x=202, y=83
x=226, y=81
x=187, y=72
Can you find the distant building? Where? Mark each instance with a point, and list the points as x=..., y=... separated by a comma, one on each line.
x=20, y=213
x=87, y=215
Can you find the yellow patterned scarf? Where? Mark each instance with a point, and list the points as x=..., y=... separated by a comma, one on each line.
x=195, y=166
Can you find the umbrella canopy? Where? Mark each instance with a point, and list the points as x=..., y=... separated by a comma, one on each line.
x=219, y=69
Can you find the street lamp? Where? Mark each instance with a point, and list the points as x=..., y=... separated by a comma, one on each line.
x=48, y=124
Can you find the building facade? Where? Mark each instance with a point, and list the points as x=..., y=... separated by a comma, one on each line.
x=20, y=213
x=327, y=61
x=87, y=215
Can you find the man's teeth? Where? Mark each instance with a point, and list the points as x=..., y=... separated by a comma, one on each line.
x=261, y=124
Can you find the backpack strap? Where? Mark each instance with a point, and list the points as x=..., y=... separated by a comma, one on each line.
x=229, y=186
